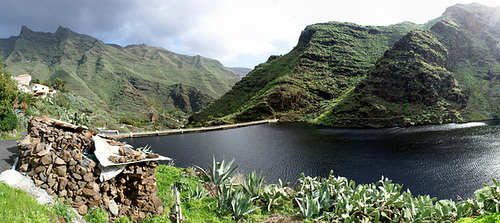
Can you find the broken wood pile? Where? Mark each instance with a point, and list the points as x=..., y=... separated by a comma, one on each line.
x=59, y=158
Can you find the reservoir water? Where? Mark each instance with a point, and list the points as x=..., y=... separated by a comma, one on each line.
x=445, y=161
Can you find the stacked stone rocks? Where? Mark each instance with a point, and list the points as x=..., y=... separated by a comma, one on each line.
x=52, y=154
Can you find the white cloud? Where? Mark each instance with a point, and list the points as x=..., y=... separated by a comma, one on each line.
x=236, y=32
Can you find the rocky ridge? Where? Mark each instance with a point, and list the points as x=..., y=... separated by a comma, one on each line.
x=346, y=75
x=138, y=80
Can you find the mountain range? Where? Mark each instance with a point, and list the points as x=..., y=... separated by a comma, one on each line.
x=347, y=75
x=143, y=83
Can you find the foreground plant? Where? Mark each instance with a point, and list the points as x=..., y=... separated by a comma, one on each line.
x=253, y=184
x=331, y=199
x=17, y=206
x=220, y=172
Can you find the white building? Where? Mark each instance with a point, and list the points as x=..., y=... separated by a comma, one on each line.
x=40, y=90
x=23, y=82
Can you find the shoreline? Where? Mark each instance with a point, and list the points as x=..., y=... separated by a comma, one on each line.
x=189, y=130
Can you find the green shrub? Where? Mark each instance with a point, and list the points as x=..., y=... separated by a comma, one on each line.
x=8, y=119
x=64, y=211
x=96, y=215
x=491, y=218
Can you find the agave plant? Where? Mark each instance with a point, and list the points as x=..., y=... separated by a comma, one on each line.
x=220, y=172
x=308, y=206
x=273, y=193
x=242, y=204
x=198, y=193
x=253, y=184
x=489, y=197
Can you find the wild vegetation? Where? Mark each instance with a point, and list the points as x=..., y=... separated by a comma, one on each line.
x=16, y=107
x=328, y=60
x=217, y=195
x=340, y=67
x=422, y=90
x=14, y=104
x=144, y=84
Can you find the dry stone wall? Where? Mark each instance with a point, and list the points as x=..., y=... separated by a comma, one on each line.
x=52, y=154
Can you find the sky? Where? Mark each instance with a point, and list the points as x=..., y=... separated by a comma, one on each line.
x=238, y=33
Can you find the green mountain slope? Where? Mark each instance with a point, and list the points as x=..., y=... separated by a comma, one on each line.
x=329, y=59
x=141, y=81
x=409, y=85
x=345, y=75
x=448, y=74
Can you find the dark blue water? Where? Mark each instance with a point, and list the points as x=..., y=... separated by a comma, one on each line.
x=444, y=161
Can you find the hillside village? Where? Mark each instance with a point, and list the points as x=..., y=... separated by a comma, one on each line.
x=38, y=90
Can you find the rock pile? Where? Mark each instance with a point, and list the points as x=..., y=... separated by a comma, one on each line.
x=52, y=154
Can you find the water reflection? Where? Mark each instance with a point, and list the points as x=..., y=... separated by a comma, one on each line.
x=445, y=161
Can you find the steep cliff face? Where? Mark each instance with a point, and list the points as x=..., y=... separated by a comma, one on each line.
x=409, y=85
x=471, y=33
x=447, y=74
x=338, y=75
x=139, y=80
x=329, y=59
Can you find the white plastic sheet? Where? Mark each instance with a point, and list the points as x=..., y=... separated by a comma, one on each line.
x=103, y=150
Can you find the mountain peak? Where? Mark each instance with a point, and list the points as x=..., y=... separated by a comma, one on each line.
x=25, y=30
x=62, y=29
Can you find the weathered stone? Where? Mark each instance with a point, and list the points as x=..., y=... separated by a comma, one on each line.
x=49, y=169
x=81, y=170
x=72, y=186
x=105, y=186
x=158, y=204
x=78, y=156
x=142, y=215
x=39, y=148
x=35, y=141
x=127, y=202
x=113, y=207
x=88, y=192
x=66, y=156
x=88, y=177
x=105, y=199
x=51, y=181
x=59, y=161
x=24, y=153
x=81, y=184
x=39, y=169
x=43, y=177
x=72, y=163
x=73, y=153
x=38, y=182
x=34, y=161
x=60, y=170
x=77, y=176
x=49, y=191
x=62, y=183
x=46, y=159
x=24, y=167
x=63, y=193
x=82, y=210
x=43, y=152
x=138, y=171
